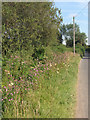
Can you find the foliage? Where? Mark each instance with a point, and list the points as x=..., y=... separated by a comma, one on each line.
x=41, y=90
x=80, y=49
x=61, y=48
x=29, y=24
x=67, y=31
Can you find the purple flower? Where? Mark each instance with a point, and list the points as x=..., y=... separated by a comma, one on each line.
x=4, y=86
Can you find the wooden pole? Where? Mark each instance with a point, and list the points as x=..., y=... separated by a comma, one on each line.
x=74, y=34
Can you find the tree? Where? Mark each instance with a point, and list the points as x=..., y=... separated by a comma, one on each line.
x=67, y=31
x=29, y=24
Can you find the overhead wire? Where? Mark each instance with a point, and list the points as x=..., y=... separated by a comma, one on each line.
x=81, y=10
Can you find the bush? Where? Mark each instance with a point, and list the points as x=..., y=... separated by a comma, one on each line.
x=38, y=53
x=61, y=48
x=80, y=49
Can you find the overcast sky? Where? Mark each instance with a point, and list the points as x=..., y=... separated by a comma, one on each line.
x=68, y=9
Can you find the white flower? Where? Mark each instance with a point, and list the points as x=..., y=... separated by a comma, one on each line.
x=55, y=64
x=11, y=84
x=57, y=68
x=57, y=72
x=50, y=64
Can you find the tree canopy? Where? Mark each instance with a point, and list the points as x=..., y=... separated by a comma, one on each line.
x=67, y=31
x=29, y=24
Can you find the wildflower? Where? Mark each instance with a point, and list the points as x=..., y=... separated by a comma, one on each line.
x=11, y=98
x=2, y=99
x=15, y=80
x=5, y=32
x=10, y=75
x=35, y=74
x=11, y=84
x=4, y=87
x=55, y=64
x=57, y=68
x=50, y=65
x=31, y=83
x=34, y=69
x=11, y=94
x=16, y=56
x=46, y=64
x=23, y=62
x=8, y=72
x=6, y=90
x=57, y=72
x=12, y=63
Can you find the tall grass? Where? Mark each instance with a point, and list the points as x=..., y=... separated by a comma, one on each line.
x=41, y=89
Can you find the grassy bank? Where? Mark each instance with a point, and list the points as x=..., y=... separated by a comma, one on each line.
x=40, y=89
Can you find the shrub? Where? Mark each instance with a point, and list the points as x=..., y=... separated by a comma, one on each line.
x=80, y=49
x=38, y=53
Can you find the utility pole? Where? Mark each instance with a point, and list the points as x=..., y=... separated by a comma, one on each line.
x=74, y=34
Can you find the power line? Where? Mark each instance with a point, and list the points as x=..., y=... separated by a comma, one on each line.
x=81, y=10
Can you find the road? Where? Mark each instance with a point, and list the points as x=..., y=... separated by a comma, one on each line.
x=82, y=88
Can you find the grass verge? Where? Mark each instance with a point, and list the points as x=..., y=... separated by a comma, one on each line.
x=45, y=90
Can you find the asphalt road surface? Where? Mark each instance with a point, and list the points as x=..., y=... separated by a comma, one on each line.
x=82, y=88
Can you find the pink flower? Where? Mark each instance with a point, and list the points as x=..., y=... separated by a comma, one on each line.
x=4, y=87
x=35, y=74
x=16, y=56
x=11, y=98
x=37, y=70
x=15, y=80
x=6, y=90
x=34, y=69
x=11, y=94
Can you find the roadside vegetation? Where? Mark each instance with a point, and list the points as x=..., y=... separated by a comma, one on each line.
x=39, y=73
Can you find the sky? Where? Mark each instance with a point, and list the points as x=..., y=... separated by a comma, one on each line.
x=70, y=9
